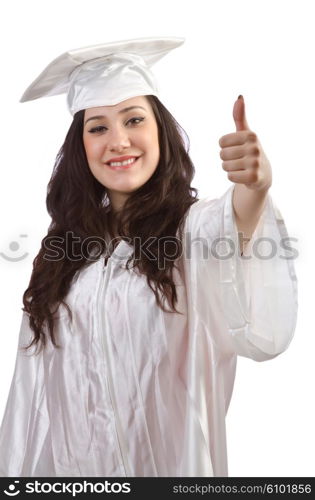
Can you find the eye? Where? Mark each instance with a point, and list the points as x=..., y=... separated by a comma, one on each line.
x=100, y=128
x=136, y=118
x=96, y=129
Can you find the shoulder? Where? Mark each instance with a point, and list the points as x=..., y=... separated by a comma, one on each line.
x=201, y=205
x=207, y=214
x=209, y=204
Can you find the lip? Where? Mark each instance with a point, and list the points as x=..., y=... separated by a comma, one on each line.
x=122, y=158
x=124, y=167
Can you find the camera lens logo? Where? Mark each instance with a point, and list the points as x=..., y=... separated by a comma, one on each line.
x=14, y=247
x=12, y=492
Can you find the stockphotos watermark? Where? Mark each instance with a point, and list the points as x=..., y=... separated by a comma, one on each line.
x=72, y=488
x=160, y=249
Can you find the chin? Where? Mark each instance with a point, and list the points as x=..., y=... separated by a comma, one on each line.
x=124, y=190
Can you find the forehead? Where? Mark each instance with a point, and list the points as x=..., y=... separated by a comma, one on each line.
x=112, y=110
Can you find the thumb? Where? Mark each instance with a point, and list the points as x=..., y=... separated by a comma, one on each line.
x=239, y=114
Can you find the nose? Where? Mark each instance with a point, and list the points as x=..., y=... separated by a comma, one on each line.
x=117, y=139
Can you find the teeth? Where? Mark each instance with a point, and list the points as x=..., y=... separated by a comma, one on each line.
x=122, y=163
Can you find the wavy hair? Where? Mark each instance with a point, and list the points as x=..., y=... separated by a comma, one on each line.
x=79, y=204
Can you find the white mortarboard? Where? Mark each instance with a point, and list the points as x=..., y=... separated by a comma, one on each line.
x=103, y=75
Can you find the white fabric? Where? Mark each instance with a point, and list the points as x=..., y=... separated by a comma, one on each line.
x=136, y=391
x=108, y=81
x=104, y=74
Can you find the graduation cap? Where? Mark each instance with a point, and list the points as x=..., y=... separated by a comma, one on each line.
x=103, y=75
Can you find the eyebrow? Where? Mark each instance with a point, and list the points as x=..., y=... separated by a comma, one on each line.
x=98, y=117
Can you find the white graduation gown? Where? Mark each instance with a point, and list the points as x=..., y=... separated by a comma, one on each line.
x=135, y=391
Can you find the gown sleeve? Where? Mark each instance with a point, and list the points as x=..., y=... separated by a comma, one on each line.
x=24, y=432
x=248, y=303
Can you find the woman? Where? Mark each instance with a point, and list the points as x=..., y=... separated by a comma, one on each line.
x=135, y=314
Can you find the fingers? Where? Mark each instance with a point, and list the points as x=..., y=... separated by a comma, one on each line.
x=232, y=153
x=245, y=163
x=236, y=152
x=247, y=177
x=237, y=138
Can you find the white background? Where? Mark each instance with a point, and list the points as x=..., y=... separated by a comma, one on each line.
x=261, y=49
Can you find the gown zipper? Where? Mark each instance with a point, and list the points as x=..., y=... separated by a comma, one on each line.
x=106, y=271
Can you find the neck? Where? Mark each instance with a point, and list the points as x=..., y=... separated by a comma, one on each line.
x=117, y=201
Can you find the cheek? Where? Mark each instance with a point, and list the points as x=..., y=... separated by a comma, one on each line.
x=87, y=146
x=153, y=142
x=156, y=149
x=92, y=148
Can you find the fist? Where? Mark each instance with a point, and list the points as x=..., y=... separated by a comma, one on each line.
x=242, y=154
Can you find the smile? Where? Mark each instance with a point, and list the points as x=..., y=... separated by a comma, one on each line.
x=124, y=165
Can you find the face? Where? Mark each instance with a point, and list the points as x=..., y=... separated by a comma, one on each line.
x=111, y=132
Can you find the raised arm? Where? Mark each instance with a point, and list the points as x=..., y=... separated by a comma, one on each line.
x=248, y=167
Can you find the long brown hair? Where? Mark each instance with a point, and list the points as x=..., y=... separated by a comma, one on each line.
x=79, y=204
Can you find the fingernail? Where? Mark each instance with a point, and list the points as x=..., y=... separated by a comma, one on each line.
x=240, y=96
